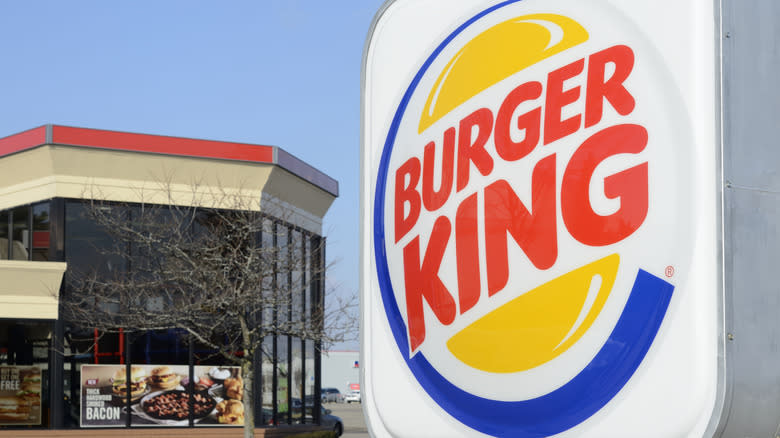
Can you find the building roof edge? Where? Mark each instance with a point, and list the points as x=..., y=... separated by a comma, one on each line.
x=165, y=145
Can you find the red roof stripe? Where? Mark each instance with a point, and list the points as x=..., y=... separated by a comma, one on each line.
x=23, y=140
x=97, y=138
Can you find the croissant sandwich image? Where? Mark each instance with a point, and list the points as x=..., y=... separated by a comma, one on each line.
x=230, y=412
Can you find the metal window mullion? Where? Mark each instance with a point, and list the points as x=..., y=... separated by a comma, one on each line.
x=304, y=322
x=57, y=367
x=128, y=377
x=275, y=339
x=191, y=382
x=289, y=321
x=257, y=357
x=318, y=299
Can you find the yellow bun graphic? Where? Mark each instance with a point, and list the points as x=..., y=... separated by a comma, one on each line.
x=539, y=325
x=496, y=54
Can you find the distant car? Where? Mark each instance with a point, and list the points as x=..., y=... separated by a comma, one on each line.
x=331, y=395
x=331, y=421
x=352, y=396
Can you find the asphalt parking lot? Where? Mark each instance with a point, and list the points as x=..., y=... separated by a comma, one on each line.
x=352, y=416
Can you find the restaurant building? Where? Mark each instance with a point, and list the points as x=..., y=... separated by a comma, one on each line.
x=50, y=376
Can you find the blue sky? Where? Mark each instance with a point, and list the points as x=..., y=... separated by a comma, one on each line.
x=276, y=72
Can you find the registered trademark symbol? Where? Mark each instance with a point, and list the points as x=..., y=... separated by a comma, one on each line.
x=670, y=271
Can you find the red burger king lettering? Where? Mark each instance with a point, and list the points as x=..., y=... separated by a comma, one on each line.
x=534, y=227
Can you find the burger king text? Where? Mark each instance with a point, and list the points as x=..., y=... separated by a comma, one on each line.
x=533, y=229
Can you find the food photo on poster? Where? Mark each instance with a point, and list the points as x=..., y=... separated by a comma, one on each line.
x=20, y=396
x=226, y=387
x=159, y=396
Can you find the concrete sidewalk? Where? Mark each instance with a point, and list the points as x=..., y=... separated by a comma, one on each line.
x=352, y=416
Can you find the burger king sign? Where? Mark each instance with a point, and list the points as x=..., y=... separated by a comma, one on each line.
x=530, y=221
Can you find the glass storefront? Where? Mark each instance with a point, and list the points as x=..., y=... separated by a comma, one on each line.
x=89, y=362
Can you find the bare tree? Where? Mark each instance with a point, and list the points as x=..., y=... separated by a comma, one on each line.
x=215, y=267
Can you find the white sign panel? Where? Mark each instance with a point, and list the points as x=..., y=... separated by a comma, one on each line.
x=539, y=220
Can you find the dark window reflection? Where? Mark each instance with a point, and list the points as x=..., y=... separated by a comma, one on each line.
x=169, y=347
x=40, y=235
x=4, y=247
x=88, y=246
x=21, y=233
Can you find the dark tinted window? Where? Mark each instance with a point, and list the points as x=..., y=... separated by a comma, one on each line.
x=40, y=237
x=4, y=248
x=87, y=245
x=21, y=233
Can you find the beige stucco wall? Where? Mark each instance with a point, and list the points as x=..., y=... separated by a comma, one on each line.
x=73, y=172
x=29, y=289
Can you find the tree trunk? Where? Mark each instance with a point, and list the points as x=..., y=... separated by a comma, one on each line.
x=249, y=399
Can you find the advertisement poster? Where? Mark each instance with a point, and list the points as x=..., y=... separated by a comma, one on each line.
x=20, y=396
x=225, y=386
x=158, y=395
